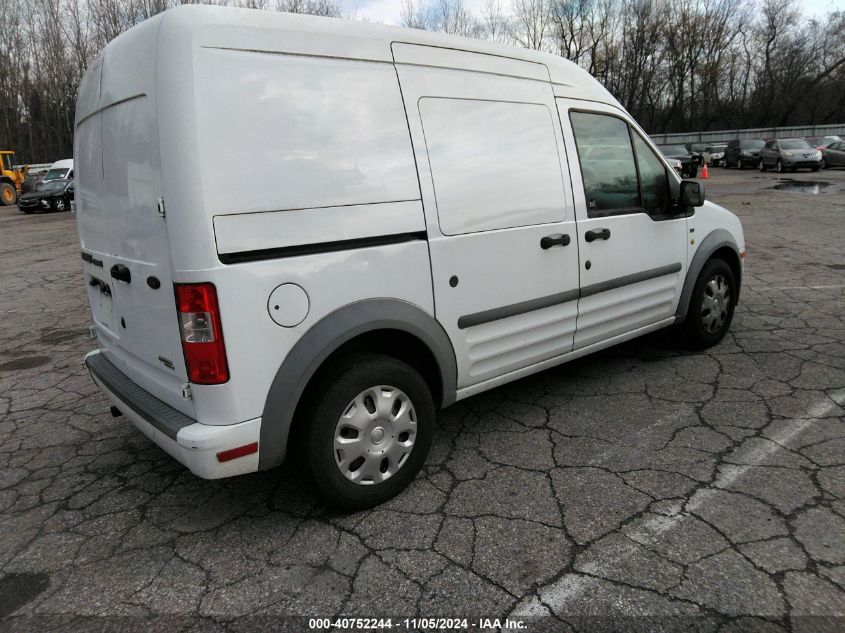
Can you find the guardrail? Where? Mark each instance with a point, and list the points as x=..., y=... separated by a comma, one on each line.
x=762, y=132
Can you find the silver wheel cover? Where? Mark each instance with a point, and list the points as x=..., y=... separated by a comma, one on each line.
x=715, y=304
x=375, y=435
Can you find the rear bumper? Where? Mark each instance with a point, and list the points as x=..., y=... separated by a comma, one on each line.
x=193, y=444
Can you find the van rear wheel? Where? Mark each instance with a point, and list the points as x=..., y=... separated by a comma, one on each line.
x=712, y=304
x=370, y=425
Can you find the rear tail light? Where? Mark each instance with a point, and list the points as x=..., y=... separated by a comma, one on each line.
x=202, y=334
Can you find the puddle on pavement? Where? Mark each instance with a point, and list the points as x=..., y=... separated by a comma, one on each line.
x=17, y=590
x=836, y=266
x=812, y=187
x=24, y=362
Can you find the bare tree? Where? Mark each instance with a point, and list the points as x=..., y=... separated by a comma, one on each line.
x=494, y=21
x=328, y=8
x=415, y=14
x=451, y=16
x=530, y=23
x=674, y=64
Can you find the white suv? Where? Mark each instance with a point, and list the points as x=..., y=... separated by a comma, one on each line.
x=309, y=232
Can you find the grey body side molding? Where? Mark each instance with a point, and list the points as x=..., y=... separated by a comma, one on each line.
x=342, y=325
x=715, y=240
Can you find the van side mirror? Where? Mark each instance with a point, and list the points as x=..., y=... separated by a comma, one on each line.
x=692, y=193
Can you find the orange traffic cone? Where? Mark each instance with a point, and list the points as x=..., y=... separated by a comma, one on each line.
x=704, y=174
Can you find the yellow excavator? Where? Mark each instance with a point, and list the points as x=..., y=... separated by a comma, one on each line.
x=11, y=179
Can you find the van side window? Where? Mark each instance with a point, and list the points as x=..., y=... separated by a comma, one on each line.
x=495, y=165
x=653, y=180
x=607, y=164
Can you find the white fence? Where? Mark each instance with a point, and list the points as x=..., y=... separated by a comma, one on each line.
x=763, y=132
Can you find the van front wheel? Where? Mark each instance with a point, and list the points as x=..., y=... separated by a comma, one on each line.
x=712, y=304
x=369, y=429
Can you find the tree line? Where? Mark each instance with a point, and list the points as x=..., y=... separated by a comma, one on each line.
x=676, y=65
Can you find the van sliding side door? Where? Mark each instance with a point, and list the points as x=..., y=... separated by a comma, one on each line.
x=497, y=202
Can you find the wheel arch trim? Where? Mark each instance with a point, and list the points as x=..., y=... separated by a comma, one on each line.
x=715, y=240
x=325, y=337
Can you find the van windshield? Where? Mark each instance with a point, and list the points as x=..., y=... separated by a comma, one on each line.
x=53, y=174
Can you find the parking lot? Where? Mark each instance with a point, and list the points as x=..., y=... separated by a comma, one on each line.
x=643, y=488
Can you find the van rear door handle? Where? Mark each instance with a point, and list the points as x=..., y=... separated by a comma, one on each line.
x=121, y=273
x=561, y=239
x=598, y=234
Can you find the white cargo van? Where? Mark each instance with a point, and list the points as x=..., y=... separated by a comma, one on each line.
x=310, y=232
x=60, y=170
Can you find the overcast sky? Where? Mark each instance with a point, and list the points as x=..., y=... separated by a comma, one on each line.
x=387, y=11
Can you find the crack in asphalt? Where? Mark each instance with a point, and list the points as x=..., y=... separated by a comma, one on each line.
x=640, y=482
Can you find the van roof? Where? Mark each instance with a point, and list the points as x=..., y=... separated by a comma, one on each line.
x=65, y=163
x=278, y=32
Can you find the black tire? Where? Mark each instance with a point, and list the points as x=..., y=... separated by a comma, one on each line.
x=823, y=164
x=761, y=165
x=779, y=167
x=331, y=396
x=8, y=194
x=697, y=334
x=814, y=168
x=59, y=204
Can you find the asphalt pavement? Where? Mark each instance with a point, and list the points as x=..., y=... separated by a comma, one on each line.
x=642, y=488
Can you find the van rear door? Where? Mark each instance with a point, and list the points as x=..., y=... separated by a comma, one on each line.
x=125, y=242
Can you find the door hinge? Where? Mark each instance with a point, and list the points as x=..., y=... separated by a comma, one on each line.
x=161, y=207
x=186, y=392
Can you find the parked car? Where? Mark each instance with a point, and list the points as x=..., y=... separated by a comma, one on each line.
x=743, y=153
x=697, y=150
x=689, y=164
x=411, y=241
x=55, y=195
x=834, y=155
x=677, y=165
x=820, y=142
x=714, y=155
x=60, y=170
x=789, y=154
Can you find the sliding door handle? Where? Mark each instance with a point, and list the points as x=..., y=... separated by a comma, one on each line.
x=597, y=234
x=561, y=239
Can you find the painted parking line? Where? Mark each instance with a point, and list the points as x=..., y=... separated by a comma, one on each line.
x=569, y=589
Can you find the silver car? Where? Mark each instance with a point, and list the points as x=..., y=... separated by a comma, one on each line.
x=784, y=154
x=714, y=155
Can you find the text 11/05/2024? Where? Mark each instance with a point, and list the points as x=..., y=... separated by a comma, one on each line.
x=415, y=624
